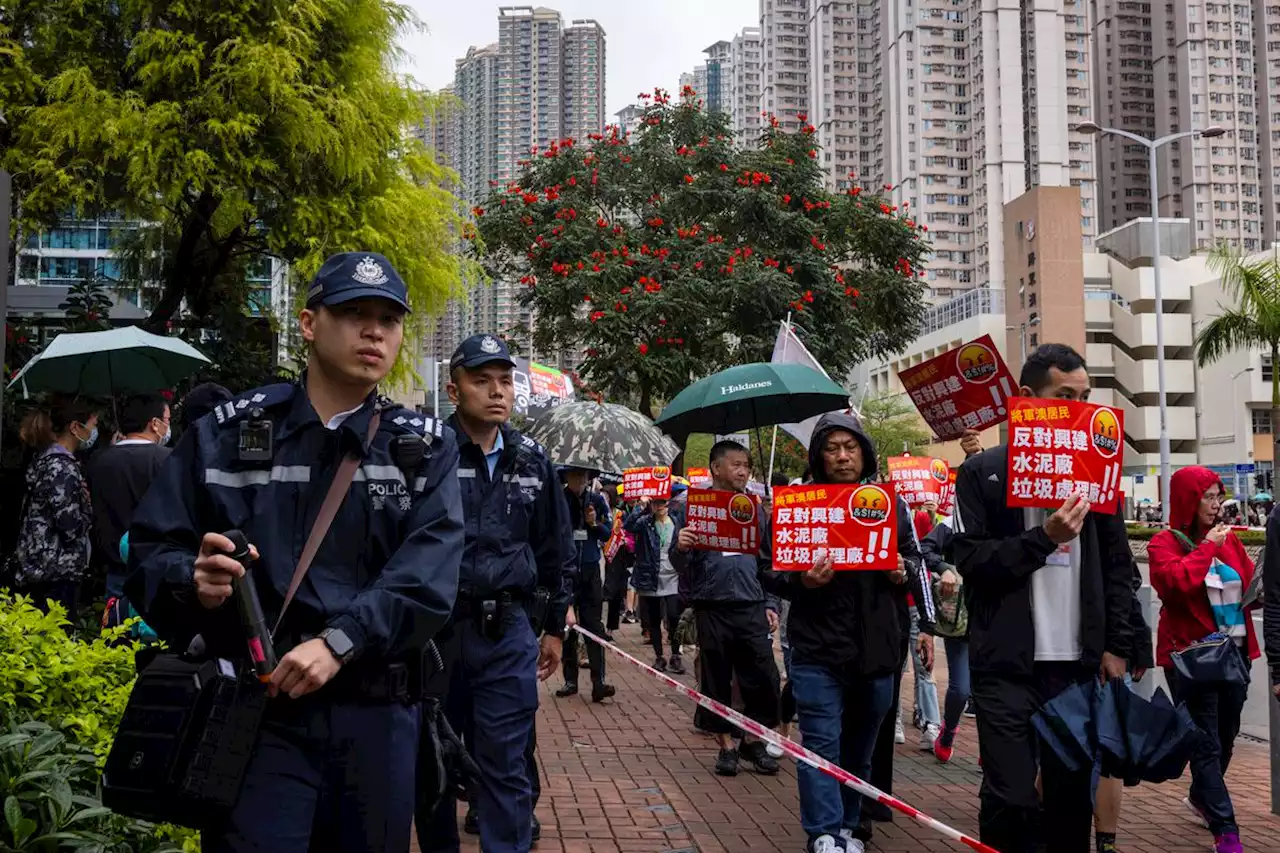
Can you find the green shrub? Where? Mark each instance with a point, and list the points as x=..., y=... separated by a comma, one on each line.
x=50, y=790
x=77, y=687
x=1247, y=537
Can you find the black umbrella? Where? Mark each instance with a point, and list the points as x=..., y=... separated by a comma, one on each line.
x=1065, y=725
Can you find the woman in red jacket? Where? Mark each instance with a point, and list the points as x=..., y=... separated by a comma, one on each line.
x=1199, y=569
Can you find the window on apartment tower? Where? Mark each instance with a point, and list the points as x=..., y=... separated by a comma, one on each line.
x=1261, y=421
x=1266, y=367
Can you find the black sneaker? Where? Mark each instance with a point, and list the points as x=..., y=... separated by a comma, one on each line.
x=568, y=690
x=660, y=663
x=601, y=692
x=471, y=824
x=537, y=830
x=677, y=665
x=727, y=763
x=761, y=761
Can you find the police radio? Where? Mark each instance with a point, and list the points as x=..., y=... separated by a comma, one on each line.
x=261, y=651
x=256, y=436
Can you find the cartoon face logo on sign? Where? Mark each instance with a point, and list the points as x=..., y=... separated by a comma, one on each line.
x=1104, y=431
x=742, y=509
x=977, y=363
x=939, y=469
x=661, y=473
x=869, y=506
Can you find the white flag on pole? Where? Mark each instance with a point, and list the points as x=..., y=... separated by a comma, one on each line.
x=789, y=349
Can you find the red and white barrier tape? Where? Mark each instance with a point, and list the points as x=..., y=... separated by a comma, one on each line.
x=795, y=750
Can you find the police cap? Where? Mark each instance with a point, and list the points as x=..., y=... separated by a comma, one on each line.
x=357, y=275
x=479, y=350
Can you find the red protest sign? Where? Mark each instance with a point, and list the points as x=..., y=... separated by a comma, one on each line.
x=919, y=479
x=646, y=483
x=699, y=478
x=724, y=521
x=1058, y=448
x=947, y=502
x=616, y=538
x=856, y=524
x=964, y=388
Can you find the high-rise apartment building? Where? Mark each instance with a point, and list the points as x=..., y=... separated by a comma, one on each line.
x=960, y=107
x=541, y=82
x=629, y=117
x=747, y=70
x=1171, y=66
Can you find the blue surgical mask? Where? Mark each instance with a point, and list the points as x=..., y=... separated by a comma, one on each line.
x=91, y=440
x=164, y=439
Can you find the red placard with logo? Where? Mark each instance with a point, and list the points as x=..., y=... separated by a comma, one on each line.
x=646, y=483
x=724, y=521
x=856, y=524
x=616, y=538
x=964, y=388
x=699, y=478
x=947, y=503
x=919, y=479
x=1058, y=448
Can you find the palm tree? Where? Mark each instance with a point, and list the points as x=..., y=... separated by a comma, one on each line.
x=1251, y=320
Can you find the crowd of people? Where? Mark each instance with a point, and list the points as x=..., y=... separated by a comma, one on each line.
x=467, y=535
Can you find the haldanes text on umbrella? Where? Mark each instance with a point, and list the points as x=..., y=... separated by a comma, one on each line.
x=726, y=390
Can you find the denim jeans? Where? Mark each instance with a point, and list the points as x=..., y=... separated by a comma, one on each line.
x=839, y=717
x=957, y=680
x=1216, y=710
x=926, y=699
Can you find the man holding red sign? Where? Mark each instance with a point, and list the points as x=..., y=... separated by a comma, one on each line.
x=1050, y=599
x=846, y=628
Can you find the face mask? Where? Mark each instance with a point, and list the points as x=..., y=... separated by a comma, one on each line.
x=91, y=440
x=168, y=433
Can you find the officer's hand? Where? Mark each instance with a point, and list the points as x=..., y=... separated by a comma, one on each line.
x=549, y=656
x=970, y=442
x=304, y=670
x=215, y=570
x=686, y=540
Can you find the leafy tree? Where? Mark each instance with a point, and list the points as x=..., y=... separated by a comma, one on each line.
x=670, y=254
x=233, y=130
x=893, y=426
x=1252, y=318
x=87, y=306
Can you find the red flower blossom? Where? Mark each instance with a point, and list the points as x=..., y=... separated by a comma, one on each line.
x=688, y=179
x=596, y=315
x=478, y=211
x=724, y=167
x=644, y=349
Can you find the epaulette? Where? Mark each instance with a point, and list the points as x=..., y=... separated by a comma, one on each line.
x=421, y=424
x=259, y=398
x=531, y=445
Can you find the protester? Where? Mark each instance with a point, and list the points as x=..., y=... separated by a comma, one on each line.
x=617, y=574
x=589, y=517
x=1049, y=597
x=118, y=478
x=844, y=636
x=936, y=551
x=656, y=580
x=734, y=618
x=1200, y=571
x=52, y=555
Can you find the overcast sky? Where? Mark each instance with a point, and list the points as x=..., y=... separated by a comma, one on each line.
x=648, y=43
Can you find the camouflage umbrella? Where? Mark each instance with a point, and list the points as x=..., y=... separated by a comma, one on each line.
x=602, y=437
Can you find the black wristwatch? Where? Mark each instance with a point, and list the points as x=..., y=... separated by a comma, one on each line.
x=340, y=645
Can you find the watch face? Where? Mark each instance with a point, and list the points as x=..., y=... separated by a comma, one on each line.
x=339, y=643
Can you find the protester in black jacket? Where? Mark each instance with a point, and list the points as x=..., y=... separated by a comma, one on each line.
x=1271, y=598
x=844, y=632
x=1049, y=602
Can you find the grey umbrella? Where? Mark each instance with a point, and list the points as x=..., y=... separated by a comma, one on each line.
x=602, y=437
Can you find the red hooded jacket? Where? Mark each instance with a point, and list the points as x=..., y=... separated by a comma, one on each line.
x=1178, y=577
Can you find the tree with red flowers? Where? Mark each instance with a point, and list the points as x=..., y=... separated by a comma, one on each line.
x=667, y=254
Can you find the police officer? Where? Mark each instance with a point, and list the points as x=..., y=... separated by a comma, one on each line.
x=334, y=766
x=517, y=572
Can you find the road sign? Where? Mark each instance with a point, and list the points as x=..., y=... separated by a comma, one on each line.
x=1245, y=467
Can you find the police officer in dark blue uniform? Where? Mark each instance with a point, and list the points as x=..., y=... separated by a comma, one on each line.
x=334, y=766
x=516, y=572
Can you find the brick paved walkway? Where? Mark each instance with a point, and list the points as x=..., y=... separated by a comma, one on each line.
x=632, y=775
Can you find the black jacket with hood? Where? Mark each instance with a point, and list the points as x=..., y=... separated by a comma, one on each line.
x=997, y=555
x=853, y=624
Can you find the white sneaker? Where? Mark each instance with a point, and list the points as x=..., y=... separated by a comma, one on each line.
x=828, y=844
x=928, y=736
x=1197, y=815
x=851, y=844
x=899, y=734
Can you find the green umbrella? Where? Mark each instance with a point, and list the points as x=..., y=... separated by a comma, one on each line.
x=102, y=364
x=751, y=396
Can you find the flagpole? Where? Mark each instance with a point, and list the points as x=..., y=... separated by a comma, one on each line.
x=768, y=483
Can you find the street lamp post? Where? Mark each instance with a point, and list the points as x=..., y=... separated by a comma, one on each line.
x=1152, y=146
x=1235, y=424
x=1022, y=336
